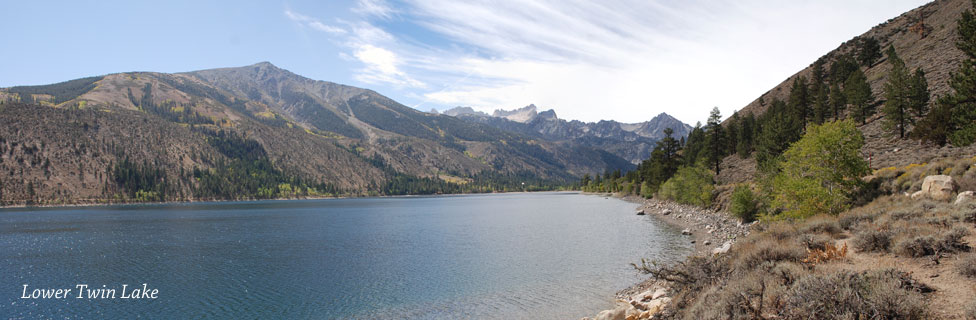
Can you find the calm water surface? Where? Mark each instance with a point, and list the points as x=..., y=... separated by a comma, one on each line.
x=536, y=255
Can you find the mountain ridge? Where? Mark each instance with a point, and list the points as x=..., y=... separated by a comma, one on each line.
x=287, y=129
x=631, y=141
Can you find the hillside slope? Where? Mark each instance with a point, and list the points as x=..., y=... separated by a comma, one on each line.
x=254, y=132
x=924, y=38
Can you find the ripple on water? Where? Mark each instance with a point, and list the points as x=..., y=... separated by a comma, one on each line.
x=539, y=255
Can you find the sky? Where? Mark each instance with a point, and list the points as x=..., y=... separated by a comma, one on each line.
x=589, y=60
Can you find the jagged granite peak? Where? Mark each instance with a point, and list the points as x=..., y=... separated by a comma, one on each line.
x=631, y=141
x=522, y=115
x=459, y=111
x=548, y=115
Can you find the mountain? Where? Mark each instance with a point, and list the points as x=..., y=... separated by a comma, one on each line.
x=925, y=38
x=257, y=131
x=631, y=141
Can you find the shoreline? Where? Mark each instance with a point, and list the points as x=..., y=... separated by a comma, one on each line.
x=712, y=232
x=168, y=202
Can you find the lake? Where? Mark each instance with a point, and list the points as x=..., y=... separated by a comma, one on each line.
x=522, y=255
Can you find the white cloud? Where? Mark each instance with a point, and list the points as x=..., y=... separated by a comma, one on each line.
x=626, y=60
x=313, y=23
x=382, y=67
x=377, y=8
x=629, y=60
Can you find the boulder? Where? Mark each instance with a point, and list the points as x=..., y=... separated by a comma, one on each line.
x=723, y=249
x=659, y=293
x=686, y=232
x=619, y=311
x=640, y=212
x=964, y=197
x=666, y=212
x=938, y=187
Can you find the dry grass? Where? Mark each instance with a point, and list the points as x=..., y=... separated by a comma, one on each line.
x=795, y=270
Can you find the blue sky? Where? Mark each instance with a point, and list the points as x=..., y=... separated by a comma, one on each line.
x=589, y=60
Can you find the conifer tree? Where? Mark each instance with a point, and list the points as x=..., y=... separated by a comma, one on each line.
x=858, y=94
x=962, y=100
x=799, y=101
x=732, y=132
x=745, y=139
x=715, y=139
x=837, y=100
x=779, y=129
x=896, y=95
x=819, y=92
x=918, y=94
x=868, y=51
x=694, y=145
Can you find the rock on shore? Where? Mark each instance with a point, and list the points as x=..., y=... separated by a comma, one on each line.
x=712, y=232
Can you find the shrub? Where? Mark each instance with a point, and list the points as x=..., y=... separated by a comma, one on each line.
x=816, y=241
x=971, y=311
x=917, y=247
x=873, y=241
x=821, y=224
x=752, y=255
x=847, y=295
x=820, y=171
x=745, y=205
x=646, y=190
x=690, y=185
x=952, y=240
x=851, y=219
x=967, y=266
x=924, y=245
x=965, y=215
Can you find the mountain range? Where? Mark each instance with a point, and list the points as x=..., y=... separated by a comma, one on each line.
x=631, y=141
x=260, y=131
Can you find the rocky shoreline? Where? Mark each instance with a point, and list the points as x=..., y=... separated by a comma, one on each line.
x=712, y=232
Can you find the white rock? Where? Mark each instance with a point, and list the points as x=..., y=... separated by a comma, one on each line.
x=723, y=249
x=659, y=293
x=939, y=187
x=965, y=196
x=918, y=195
x=686, y=232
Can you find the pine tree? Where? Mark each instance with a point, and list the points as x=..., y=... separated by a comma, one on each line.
x=896, y=95
x=799, y=101
x=744, y=148
x=715, y=139
x=779, y=129
x=819, y=92
x=732, y=132
x=694, y=145
x=858, y=94
x=868, y=51
x=959, y=106
x=918, y=94
x=837, y=100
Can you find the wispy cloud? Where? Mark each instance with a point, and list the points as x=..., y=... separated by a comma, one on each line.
x=313, y=23
x=615, y=59
x=366, y=44
x=376, y=8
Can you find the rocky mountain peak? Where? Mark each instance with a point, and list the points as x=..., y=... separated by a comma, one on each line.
x=521, y=115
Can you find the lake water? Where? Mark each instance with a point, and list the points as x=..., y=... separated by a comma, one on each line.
x=523, y=255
